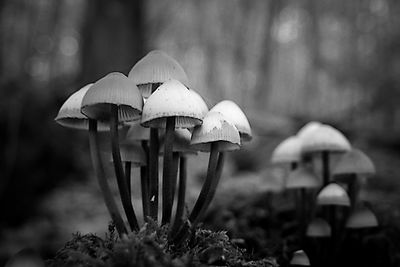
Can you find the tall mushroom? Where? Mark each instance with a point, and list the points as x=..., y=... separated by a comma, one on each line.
x=148, y=74
x=115, y=98
x=70, y=116
x=171, y=106
x=318, y=233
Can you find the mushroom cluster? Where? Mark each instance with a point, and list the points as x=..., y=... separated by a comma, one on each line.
x=327, y=173
x=160, y=116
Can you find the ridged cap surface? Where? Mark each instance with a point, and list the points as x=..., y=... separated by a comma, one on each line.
x=235, y=114
x=172, y=99
x=116, y=89
x=325, y=138
x=333, y=194
x=288, y=151
x=362, y=218
x=354, y=162
x=156, y=67
x=302, y=177
x=216, y=128
x=300, y=258
x=319, y=228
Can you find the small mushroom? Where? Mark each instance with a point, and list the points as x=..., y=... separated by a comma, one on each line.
x=288, y=151
x=362, y=218
x=115, y=98
x=318, y=228
x=171, y=106
x=300, y=258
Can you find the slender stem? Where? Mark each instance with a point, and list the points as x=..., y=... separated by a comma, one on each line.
x=153, y=173
x=353, y=189
x=119, y=172
x=101, y=179
x=128, y=166
x=175, y=166
x=181, y=195
x=168, y=179
x=325, y=167
x=144, y=181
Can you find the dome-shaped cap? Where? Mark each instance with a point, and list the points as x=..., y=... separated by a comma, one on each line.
x=308, y=128
x=300, y=258
x=137, y=132
x=70, y=115
x=215, y=128
x=133, y=153
x=288, y=151
x=302, y=177
x=172, y=99
x=235, y=114
x=156, y=67
x=202, y=104
x=319, y=228
x=325, y=138
x=113, y=89
x=362, y=218
x=354, y=162
x=333, y=194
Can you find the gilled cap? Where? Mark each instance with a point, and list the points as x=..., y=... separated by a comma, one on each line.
x=325, y=138
x=113, y=89
x=333, y=194
x=172, y=99
x=133, y=153
x=235, y=114
x=288, y=151
x=300, y=258
x=362, y=218
x=354, y=162
x=302, y=177
x=156, y=67
x=216, y=128
x=319, y=228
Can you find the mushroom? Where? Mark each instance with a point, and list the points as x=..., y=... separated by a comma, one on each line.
x=216, y=135
x=148, y=74
x=300, y=258
x=318, y=233
x=362, y=218
x=324, y=139
x=318, y=228
x=171, y=106
x=115, y=98
x=350, y=167
x=70, y=116
x=288, y=151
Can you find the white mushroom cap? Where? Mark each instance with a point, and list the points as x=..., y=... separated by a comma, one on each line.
x=300, y=258
x=216, y=128
x=309, y=127
x=333, y=194
x=133, y=153
x=354, y=162
x=325, y=138
x=288, y=151
x=202, y=103
x=362, y=218
x=113, y=89
x=302, y=177
x=319, y=228
x=156, y=67
x=172, y=99
x=235, y=114
x=70, y=115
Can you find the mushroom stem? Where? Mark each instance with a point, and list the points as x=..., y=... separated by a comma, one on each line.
x=119, y=172
x=168, y=172
x=325, y=167
x=144, y=181
x=128, y=166
x=101, y=179
x=353, y=188
x=153, y=174
x=181, y=195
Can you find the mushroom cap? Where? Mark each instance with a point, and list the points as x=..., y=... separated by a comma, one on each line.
x=70, y=115
x=137, y=132
x=325, y=138
x=302, y=177
x=235, y=114
x=288, y=151
x=309, y=127
x=333, y=194
x=319, y=228
x=132, y=152
x=215, y=128
x=113, y=89
x=354, y=162
x=156, y=67
x=172, y=99
x=300, y=258
x=362, y=218
x=202, y=104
